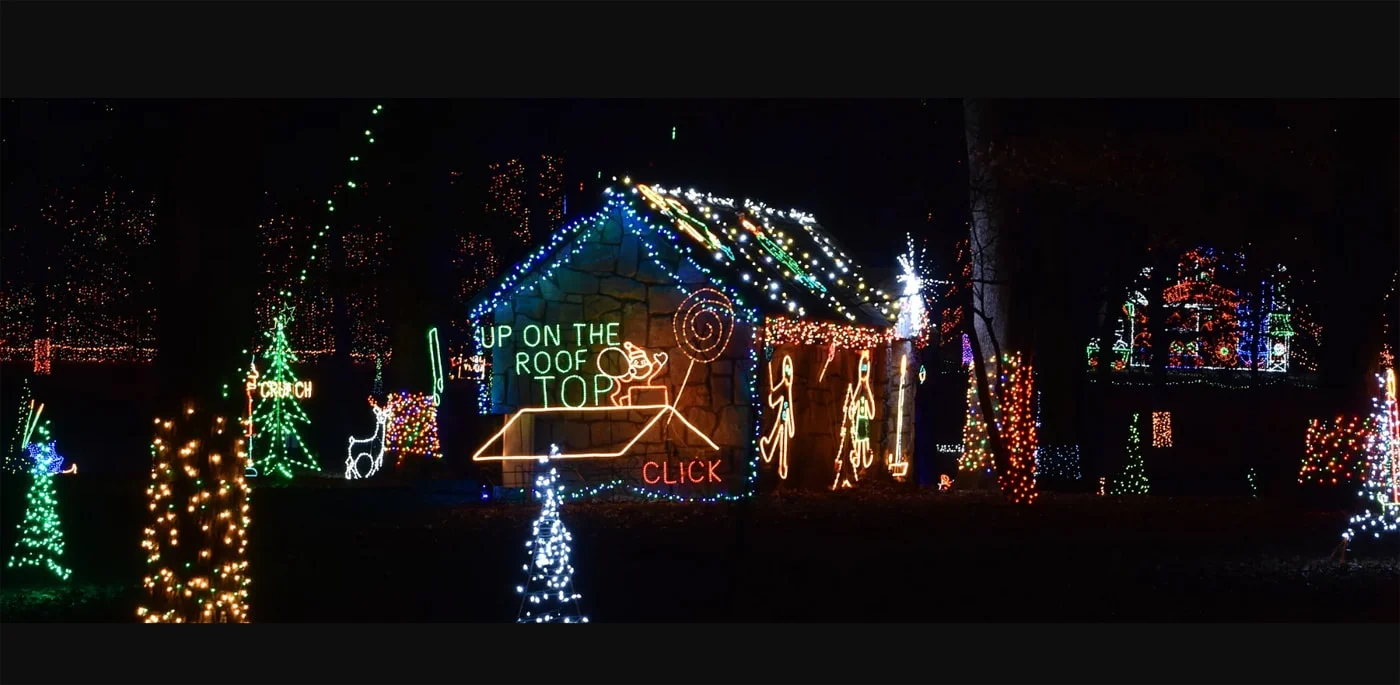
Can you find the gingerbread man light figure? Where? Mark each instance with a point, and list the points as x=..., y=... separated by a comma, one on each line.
x=780, y=398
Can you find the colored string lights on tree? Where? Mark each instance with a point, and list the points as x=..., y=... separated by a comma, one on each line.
x=548, y=596
x=196, y=545
x=40, y=543
x=784, y=423
x=276, y=441
x=976, y=453
x=412, y=428
x=1337, y=452
x=857, y=417
x=1132, y=480
x=1161, y=429
x=1016, y=418
x=1380, y=495
x=369, y=451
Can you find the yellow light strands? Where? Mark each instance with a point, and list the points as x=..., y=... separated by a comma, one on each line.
x=661, y=409
x=197, y=542
x=895, y=461
x=783, y=331
x=784, y=425
x=858, y=414
x=43, y=357
x=1161, y=429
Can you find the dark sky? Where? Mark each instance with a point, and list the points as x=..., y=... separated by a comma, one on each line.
x=869, y=170
x=856, y=165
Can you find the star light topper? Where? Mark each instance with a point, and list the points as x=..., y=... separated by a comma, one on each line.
x=913, y=315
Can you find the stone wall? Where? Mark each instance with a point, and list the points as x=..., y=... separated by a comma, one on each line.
x=612, y=280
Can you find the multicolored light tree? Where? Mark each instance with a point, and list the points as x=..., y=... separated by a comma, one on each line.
x=1132, y=480
x=1380, y=497
x=198, y=496
x=40, y=542
x=275, y=439
x=549, y=595
x=1336, y=452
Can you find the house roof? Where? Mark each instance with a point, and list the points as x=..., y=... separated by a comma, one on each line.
x=782, y=261
x=784, y=257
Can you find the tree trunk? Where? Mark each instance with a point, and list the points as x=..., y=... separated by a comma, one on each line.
x=987, y=249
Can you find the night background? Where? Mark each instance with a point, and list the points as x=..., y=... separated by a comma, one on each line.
x=206, y=206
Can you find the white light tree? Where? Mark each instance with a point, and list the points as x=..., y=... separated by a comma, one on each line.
x=548, y=596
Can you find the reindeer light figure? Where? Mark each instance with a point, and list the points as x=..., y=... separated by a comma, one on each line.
x=366, y=448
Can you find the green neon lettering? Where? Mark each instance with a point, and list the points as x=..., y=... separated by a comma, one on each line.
x=522, y=362
x=525, y=335
x=582, y=391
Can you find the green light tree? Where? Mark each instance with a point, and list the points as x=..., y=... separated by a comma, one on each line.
x=40, y=542
x=275, y=442
x=1132, y=480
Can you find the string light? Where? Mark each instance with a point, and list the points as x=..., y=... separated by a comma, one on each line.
x=1380, y=495
x=1017, y=423
x=412, y=429
x=196, y=545
x=1161, y=429
x=277, y=441
x=1132, y=480
x=548, y=596
x=1253, y=486
x=1211, y=326
x=374, y=450
x=779, y=331
x=976, y=452
x=43, y=357
x=102, y=306
x=857, y=416
x=784, y=424
x=16, y=458
x=1335, y=452
x=40, y=543
x=45, y=458
x=1059, y=462
x=944, y=483
x=506, y=197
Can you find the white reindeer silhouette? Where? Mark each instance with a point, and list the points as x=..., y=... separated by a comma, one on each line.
x=376, y=459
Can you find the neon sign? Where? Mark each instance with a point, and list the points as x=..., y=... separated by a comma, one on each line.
x=560, y=371
x=284, y=389
x=685, y=473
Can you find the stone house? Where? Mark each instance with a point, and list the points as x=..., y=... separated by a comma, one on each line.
x=690, y=346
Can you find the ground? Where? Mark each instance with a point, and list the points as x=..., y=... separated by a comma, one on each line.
x=434, y=551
